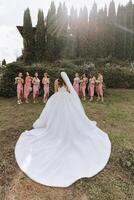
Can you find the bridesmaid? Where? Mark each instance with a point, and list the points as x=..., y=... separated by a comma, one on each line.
x=45, y=82
x=76, y=83
x=19, y=81
x=99, y=87
x=27, y=86
x=91, y=87
x=36, y=86
x=83, y=85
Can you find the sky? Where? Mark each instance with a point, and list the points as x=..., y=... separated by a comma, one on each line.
x=11, y=15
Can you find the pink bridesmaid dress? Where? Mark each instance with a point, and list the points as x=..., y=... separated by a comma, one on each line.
x=36, y=83
x=20, y=88
x=27, y=87
x=99, y=86
x=45, y=82
x=83, y=86
x=76, y=85
x=91, y=86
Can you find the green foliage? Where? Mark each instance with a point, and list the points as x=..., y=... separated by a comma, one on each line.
x=50, y=31
x=40, y=38
x=111, y=29
x=129, y=24
x=114, y=77
x=75, y=35
x=28, y=38
x=92, y=40
x=4, y=62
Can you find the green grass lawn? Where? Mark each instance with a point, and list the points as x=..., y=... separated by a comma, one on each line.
x=116, y=182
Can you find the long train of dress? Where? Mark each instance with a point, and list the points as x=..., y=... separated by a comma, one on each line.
x=64, y=145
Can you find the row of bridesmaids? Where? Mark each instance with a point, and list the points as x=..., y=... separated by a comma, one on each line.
x=24, y=87
x=91, y=84
x=80, y=84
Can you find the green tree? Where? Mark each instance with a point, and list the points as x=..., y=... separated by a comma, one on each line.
x=121, y=33
x=73, y=34
x=101, y=34
x=111, y=29
x=92, y=39
x=83, y=32
x=105, y=21
x=129, y=33
x=40, y=37
x=61, y=30
x=50, y=32
x=3, y=62
x=28, y=38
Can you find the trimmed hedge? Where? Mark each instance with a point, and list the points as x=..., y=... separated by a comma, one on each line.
x=114, y=77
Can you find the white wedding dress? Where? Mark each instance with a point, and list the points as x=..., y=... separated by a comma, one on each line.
x=64, y=145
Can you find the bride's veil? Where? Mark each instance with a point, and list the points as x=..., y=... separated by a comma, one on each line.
x=68, y=83
x=71, y=89
x=75, y=95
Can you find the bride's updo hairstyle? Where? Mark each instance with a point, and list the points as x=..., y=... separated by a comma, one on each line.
x=61, y=82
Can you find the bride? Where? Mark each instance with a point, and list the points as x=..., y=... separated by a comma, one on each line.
x=64, y=145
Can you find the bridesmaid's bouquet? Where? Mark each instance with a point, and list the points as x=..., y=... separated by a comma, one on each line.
x=30, y=89
x=16, y=79
x=97, y=81
x=38, y=81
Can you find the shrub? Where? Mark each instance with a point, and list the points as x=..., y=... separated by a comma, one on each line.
x=114, y=77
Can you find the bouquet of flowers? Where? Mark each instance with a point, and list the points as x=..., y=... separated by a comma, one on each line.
x=30, y=89
x=97, y=81
x=16, y=79
x=38, y=83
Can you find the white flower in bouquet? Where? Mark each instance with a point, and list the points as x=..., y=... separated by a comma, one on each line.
x=97, y=81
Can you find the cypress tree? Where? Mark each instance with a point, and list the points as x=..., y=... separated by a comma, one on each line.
x=129, y=33
x=83, y=26
x=3, y=62
x=72, y=37
x=133, y=34
x=40, y=37
x=105, y=21
x=28, y=38
x=101, y=34
x=58, y=31
x=111, y=29
x=82, y=33
x=119, y=38
x=79, y=34
x=121, y=33
x=93, y=31
x=61, y=30
x=51, y=35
